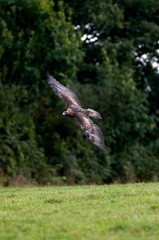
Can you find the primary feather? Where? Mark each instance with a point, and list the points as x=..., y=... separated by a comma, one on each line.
x=65, y=93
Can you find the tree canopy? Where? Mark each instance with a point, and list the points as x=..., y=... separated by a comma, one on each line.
x=108, y=53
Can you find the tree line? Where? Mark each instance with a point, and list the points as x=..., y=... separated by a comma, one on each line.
x=108, y=54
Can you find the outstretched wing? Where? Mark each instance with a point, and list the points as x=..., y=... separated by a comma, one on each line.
x=91, y=131
x=65, y=93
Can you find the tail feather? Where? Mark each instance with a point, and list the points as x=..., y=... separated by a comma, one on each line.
x=93, y=113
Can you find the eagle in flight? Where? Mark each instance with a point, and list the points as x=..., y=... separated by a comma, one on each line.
x=74, y=109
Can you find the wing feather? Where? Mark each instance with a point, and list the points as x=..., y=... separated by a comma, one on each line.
x=91, y=131
x=65, y=93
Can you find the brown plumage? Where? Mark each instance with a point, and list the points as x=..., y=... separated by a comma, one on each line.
x=74, y=109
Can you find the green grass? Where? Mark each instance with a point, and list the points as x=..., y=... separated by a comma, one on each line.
x=80, y=212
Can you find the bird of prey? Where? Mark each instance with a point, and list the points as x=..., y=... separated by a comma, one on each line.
x=74, y=109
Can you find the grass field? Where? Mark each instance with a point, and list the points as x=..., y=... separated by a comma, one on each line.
x=110, y=212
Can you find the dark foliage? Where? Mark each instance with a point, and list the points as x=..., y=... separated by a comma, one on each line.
x=113, y=69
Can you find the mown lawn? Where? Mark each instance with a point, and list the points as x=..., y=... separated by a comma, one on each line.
x=80, y=212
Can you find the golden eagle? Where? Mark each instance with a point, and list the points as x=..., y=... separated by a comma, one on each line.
x=74, y=109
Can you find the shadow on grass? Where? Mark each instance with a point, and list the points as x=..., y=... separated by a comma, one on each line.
x=53, y=201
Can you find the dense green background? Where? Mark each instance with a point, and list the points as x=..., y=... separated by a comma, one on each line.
x=113, y=70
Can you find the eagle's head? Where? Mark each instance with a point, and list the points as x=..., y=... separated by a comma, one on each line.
x=69, y=112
